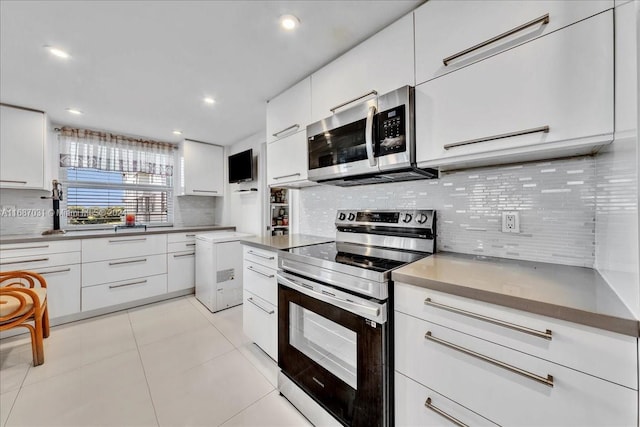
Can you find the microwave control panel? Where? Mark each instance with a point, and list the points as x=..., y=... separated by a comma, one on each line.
x=391, y=131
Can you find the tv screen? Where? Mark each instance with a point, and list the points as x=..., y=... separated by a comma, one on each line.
x=241, y=167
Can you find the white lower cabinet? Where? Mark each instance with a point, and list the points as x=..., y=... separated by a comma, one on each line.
x=181, y=261
x=260, y=323
x=63, y=289
x=109, y=294
x=94, y=273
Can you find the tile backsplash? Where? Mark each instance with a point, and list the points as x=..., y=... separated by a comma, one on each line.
x=556, y=201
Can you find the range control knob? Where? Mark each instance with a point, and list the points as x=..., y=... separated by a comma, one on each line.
x=421, y=219
x=352, y=216
x=407, y=217
x=341, y=216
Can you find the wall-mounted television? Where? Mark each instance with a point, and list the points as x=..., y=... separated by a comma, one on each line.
x=241, y=167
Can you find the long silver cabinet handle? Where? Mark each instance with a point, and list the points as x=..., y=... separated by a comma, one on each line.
x=443, y=414
x=373, y=92
x=189, y=244
x=546, y=335
x=296, y=127
x=26, y=260
x=12, y=181
x=286, y=176
x=260, y=255
x=368, y=136
x=544, y=19
x=140, y=239
x=25, y=247
x=250, y=299
x=544, y=129
x=63, y=270
x=548, y=381
x=128, y=262
x=127, y=284
x=184, y=255
x=270, y=276
x=204, y=191
x=189, y=235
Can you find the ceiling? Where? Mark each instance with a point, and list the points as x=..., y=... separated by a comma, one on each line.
x=143, y=67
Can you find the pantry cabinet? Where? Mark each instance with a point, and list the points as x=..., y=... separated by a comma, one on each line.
x=382, y=63
x=289, y=112
x=22, y=148
x=451, y=35
x=550, y=97
x=202, y=169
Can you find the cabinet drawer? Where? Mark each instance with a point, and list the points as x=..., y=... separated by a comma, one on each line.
x=423, y=351
x=182, y=237
x=37, y=261
x=38, y=248
x=261, y=256
x=63, y=289
x=416, y=405
x=181, y=270
x=468, y=24
x=261, y=281
x=571, y=344
x=94, y=273
x=552, y=97
x=109, y=294
x=182, y=246
x=260, y=323
x=123, y=247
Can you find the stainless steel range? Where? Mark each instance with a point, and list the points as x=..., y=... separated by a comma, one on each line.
x=335, y=302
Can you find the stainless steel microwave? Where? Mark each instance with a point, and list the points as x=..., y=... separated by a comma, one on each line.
x=371, y=142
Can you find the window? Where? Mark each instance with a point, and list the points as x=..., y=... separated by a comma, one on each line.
x=106, y=177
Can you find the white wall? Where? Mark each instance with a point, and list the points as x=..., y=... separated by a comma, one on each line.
x=246, y=210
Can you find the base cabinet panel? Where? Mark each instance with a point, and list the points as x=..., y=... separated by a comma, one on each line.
x=181, y=270
x=99, y=296
x=63, y=289
x=260, y=323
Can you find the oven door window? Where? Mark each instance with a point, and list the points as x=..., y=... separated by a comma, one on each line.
x=330, y=345
x=345, y=144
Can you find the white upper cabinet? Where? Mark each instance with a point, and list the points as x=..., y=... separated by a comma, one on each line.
x=287, y=161
x=289, y=112
x=203, y=169
x=382, y=63
x=22, y=148
x=460, y=33
x=551, y=97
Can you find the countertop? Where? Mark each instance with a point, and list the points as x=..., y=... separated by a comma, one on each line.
x=575, y=294
x=285, y=242
x=90, y=234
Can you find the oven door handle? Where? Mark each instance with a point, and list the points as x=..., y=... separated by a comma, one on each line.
x=372, y=313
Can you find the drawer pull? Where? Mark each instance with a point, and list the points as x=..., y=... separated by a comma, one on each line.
x=63, y=270
x=128, y=262
x=544, y=19
x=189, y=244
x=250, y=299
x=546, y=335
x=25, y=247
x=26, y=260
x=270, y=276
x=139, y=282
x=12, y=181
x=286, y=176
x=443, y=414
x=548, y=381
x=544, y=129
x=189, y=235
x=373, y=92
x=296, y=127
x=260, y=255
x=127, y=240
x=183, y=255
x=204, y=191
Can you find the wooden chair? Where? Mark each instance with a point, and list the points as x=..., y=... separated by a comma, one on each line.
x=23, y=299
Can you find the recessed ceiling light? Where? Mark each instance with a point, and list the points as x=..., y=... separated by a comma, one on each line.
x=74, y=111
x=177, y=132
x=289, y=22
x=209, y=100
x=57, y=52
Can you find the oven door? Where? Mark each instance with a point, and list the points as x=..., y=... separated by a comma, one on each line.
x=334, y=346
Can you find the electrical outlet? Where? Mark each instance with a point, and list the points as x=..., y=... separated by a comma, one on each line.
x=510, y=222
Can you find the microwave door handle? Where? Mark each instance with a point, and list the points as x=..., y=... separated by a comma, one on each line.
x=368, y=136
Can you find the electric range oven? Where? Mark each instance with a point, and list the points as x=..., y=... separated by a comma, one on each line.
x=335, y=306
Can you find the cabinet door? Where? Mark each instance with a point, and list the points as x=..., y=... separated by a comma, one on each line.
x=181, y=270
x=260, y=323
x=287, y=160
x=63, y=289
x=382, y=63
x=562, y=81
x=203, y=169
x=289, y=112
x=445, y=29
x=22, y=136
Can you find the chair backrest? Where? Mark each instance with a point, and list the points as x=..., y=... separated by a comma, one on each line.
x=21, y=279
x=18, y=295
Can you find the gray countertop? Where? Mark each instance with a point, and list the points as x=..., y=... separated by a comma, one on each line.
x=90, y=234
x=575, y=294
x=285, y=242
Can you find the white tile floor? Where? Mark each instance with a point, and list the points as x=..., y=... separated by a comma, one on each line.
x=171, y=363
